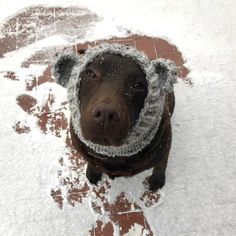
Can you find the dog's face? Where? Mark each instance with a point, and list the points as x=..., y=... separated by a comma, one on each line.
x=112, y=93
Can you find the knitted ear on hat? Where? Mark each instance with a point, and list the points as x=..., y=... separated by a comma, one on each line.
x=167, y=72
x=63, y=67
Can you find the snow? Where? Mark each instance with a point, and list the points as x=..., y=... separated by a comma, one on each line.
x=136, y=230
x=201, y=175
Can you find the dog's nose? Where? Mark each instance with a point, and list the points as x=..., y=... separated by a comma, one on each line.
x=105, y=114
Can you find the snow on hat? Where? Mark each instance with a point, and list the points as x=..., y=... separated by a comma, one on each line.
x=160, y=76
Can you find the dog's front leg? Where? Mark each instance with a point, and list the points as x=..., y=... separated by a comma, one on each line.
x=93, y=174
x=157, y=179
x=161, y=151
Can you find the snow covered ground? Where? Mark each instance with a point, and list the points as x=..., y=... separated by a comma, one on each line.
x=200, y=191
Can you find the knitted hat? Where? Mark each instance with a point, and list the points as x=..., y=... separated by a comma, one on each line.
x=160, y=76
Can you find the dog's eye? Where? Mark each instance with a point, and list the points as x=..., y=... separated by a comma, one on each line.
x=90, y=74
x=138, y=86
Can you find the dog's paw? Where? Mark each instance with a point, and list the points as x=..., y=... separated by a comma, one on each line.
x=92, y=176
x=156, y=182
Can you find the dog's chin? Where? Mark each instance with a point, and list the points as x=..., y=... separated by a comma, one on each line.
x=106, y=141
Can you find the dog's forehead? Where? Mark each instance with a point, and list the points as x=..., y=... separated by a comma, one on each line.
x=116, y=63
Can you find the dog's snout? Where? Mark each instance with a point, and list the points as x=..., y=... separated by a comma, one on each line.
x=105, y=114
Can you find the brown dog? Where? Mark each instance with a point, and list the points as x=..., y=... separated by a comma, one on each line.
x=112, y=93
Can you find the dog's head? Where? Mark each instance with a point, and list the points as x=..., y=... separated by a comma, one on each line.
x=111, y=90
x=112, y=93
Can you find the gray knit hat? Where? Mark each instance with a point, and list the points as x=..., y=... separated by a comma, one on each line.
x=160, y=76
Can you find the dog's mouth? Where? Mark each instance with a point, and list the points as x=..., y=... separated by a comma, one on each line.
x=104, y=124
x=106, y=141
x=101, y=140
